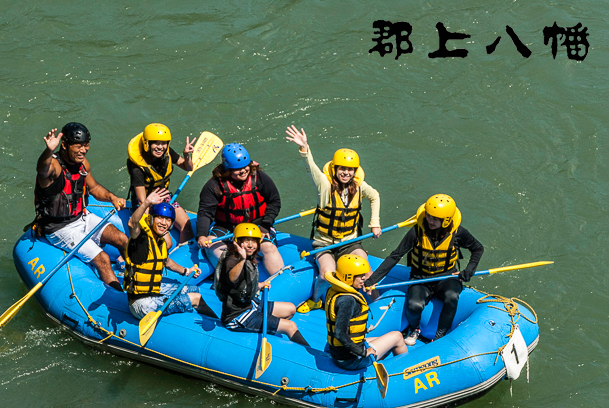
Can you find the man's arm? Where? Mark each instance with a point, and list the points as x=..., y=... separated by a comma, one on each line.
x=271, y=198
x=100, y=192
x=47, y=167
x=156, y=197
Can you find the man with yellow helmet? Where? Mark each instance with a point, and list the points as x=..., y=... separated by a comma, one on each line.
x=340, y=188
x=347, y=317
x=150, y=165
x=236, y=282
x=433, y=247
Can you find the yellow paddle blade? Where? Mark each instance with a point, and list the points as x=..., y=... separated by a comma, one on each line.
x=12, y=311
x=206, y=149
x=308, y=212
x=521, y=266
x=410, y=221
x=264, y=358
x=382, y=378
x=147, y=326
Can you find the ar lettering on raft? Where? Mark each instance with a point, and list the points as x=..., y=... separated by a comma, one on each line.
x=573, y=38
x=40, y=270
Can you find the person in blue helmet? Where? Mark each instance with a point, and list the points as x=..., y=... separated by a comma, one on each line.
x=238, y=192
x=147, y=258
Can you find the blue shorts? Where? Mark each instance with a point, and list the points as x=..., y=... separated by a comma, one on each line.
x=356, y=363
x=251, y=320
x=218, y=231
x=180, y=304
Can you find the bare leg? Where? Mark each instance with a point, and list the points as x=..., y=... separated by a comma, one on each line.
x=106, y=274
x=213, y=253
x=200, y=306
x=284, y=310
x=271, y=257
x=114, y=237
x=183, y=225
x=326, y=263
x=392, y=341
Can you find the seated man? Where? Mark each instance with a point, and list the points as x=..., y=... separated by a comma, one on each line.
x=63, y=183
x=147, y=258
x=347, y=317
x=236, y=283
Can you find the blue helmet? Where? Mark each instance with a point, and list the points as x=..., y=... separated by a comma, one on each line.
x=234, y=156
x=163, y=210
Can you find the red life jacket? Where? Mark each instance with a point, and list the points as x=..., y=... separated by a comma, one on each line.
x=65, y=198
x=240, y=206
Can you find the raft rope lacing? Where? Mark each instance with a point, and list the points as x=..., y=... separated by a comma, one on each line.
x=510, y=305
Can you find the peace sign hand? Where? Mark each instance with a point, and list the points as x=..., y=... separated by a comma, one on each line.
x=190, y=147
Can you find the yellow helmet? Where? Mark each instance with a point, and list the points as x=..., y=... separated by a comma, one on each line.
x=346, y=158
x=155, y=131
x=349, y=266
x=441, y=206
x=246, y=229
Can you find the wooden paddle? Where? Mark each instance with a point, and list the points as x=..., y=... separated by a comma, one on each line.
x=148, y=322
x=409, y=222
x=266, y=354
x=439, y=278
x=382, y=378
x=206, y=149
x=11, y=311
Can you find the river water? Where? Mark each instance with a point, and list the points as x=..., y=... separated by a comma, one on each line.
x=520, y=143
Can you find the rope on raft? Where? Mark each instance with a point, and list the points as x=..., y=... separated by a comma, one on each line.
x=510, y=307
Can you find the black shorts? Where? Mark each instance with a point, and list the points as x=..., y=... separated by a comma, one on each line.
x=339, y=251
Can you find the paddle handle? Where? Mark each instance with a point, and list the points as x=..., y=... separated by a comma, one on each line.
x=479, y=273
x=279, y=221
x=408, y=222
x=176, y=292
x=265, y=302
x=77, y=247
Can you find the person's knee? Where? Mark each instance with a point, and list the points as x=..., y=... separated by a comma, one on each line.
x=290, y=310
x=288, y=327
x=415, y=305
x=451, y=298
x=195, y=298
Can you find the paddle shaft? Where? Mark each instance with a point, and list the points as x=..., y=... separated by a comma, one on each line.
x=279, y=221
x=408, y=222
x=201, y=149
x=77, y=247
x=10, y=313
x=265, y=304
x=479, y=273
x=176, y=292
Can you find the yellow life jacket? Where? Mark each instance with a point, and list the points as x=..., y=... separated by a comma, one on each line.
x=145, y=278
x=337, y=220
x=432, y=259
x=136, y=157
x=357, y=324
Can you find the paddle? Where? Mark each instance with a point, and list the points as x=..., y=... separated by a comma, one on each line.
x=439, y=278
x=382, y=378
x=266, y=355
x=206, y=149
x=410, y=221
x=279, y=221
x=11, y=311
x=148, y=322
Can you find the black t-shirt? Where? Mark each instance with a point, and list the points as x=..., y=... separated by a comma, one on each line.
x=236, y=305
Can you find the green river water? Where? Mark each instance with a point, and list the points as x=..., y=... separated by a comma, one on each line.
x=520, y=143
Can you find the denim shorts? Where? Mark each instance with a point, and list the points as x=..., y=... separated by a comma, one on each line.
x=251, y=320
x=71, y=235
x=356, y=363
x=181, y=304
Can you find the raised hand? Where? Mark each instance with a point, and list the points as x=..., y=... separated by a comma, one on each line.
x=158, y=196
x=298, y=137
x=51, y=140
x=241, y=249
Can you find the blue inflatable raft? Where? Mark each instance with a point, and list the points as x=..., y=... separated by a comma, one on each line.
x=462, y=364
